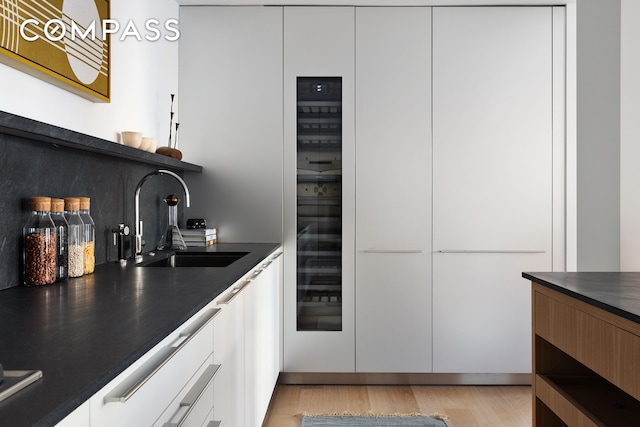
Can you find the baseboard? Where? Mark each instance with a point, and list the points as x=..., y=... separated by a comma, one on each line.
x=348, y=378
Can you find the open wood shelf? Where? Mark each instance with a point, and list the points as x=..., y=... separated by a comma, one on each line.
x=591, y=400
x=583, y=363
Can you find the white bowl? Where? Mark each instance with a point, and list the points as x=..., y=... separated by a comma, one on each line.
x=144, y=145
x=149, y=144
x=131, y=139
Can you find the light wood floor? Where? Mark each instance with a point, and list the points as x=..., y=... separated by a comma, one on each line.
x=466, y=406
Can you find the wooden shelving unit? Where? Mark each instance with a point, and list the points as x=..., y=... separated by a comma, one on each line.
x=586, y=363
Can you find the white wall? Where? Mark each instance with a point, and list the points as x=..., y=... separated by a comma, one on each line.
x=630, y=137
x=143, y=75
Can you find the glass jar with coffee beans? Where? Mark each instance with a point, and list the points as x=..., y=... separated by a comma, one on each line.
x=76, y=236
x=39, y=244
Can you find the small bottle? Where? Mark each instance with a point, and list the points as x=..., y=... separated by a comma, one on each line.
x=76, y=237
x=89, y=236
x=62, y=236
x=39, y=244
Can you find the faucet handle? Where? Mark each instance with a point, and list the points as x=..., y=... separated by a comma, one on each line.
x=119, y=230
x=119, y=236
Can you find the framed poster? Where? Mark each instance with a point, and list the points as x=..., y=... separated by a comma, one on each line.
x=60, y=41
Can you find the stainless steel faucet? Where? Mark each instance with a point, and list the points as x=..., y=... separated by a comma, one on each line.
x=138, y=235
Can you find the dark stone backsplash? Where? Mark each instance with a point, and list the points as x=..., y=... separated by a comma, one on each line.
x=34, y=168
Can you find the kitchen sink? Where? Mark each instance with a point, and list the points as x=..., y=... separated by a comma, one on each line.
x=210, y=259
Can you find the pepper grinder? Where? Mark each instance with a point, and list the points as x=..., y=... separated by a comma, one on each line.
x=172, y=237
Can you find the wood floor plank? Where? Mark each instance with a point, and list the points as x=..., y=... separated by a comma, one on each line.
x=466, y=406
x=392, y=400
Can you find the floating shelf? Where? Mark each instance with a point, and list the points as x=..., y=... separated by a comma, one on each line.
x=23, y=127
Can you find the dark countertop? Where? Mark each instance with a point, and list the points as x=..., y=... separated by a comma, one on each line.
x=617, y=293
x=82, y=333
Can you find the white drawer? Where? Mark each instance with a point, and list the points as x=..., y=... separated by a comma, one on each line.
x=143, y=391
x=193, y=407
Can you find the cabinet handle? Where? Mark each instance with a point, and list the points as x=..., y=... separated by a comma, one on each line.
x=214, y=424
x=489, y=251
x=255, y=273
x=166, y=354
x=392, y=251
x=194, y=394
x=234, y=292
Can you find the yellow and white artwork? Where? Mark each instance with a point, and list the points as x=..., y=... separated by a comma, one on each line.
x=64, y=42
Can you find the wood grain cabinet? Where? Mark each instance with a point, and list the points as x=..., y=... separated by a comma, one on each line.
x=586, y=364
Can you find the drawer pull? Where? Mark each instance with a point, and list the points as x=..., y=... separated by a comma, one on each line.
x=392, y=251
x=194, y=395
x=164, y=355
x=490, y=251
x=234, y=293
x=214, y=424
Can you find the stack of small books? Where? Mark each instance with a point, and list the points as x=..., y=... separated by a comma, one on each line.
x=199, y=237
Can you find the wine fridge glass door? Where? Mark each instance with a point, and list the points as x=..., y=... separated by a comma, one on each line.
x=319, y=203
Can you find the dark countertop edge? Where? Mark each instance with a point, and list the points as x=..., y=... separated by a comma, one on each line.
x=86, y=393
x=581, y=297
x=23, y=127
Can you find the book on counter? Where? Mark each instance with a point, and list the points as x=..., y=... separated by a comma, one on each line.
x=199, y=236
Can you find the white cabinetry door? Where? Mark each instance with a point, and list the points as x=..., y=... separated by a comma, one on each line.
x=492, y=182
x=230, y=115
x=262, y=354
x=319, y=42
x=228, y=352
x=393, y=189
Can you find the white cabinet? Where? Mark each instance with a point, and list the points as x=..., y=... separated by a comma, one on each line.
x=262, y=331
x=80, y=417
x=229, y=350
x=319, y=42
x=457, y=185
x=230, y=114
x=152, y=390
x=220, y=366
x=247, y=345
x=393, y=189
x=194, y=406
x=492, y=182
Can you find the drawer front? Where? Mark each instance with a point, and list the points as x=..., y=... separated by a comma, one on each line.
x=607, y=349
x=81, y=416
x=142, y=393
x=193, y=407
